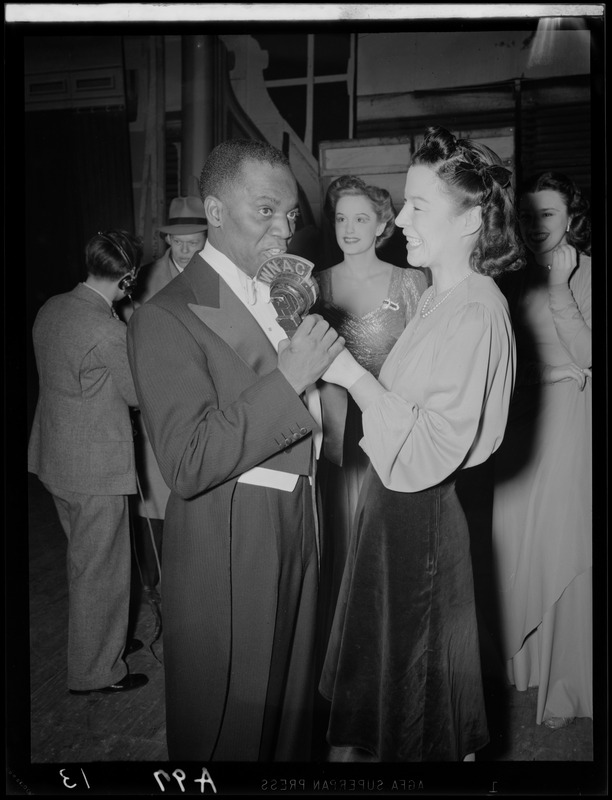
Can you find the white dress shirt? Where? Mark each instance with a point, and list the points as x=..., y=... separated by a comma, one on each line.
x=256, y=297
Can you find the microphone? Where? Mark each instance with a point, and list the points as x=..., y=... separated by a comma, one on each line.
x=293, y=290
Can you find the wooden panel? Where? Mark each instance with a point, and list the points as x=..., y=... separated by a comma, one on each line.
x=363, y=156
x=411, y=126
x=73, y=72
x=48, y=88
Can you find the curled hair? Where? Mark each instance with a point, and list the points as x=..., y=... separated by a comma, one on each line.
x=576, y=204
x=351, y=185
x=112, y=254
x=224, y=165
x=473, y=175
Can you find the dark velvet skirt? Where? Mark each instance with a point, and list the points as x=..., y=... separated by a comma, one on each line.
x=402, y=670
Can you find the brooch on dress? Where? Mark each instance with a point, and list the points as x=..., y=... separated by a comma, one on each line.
x=390, y=305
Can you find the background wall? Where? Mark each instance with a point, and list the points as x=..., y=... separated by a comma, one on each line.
x=403, y=62
x=103, y=121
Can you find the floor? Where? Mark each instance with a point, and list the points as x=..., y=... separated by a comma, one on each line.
x=105, y=733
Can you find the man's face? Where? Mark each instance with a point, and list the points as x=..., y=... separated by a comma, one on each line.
x=258, y=215
x=184, y=246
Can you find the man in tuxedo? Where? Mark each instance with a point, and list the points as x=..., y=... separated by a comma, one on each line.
x=82, y=450
x=221, y=391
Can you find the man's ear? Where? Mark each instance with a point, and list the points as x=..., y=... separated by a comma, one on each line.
x=214, y=211
x=472, y=220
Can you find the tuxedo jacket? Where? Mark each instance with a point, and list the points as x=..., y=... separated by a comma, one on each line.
x=212, y=398
x=81, y=438
x=215, y=405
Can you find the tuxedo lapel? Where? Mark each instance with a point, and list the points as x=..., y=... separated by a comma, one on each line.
x=220, y=309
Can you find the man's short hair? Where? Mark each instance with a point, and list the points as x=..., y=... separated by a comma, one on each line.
x=112, y=254
x=224, y=165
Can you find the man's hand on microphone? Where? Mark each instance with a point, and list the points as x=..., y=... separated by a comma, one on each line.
x=305, y=357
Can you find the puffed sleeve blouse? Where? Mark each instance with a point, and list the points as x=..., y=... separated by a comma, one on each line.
x=448, y=381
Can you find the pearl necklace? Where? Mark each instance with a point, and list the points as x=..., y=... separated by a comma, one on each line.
x=445, y=295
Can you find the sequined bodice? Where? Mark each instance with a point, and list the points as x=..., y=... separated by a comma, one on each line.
x=370, y=337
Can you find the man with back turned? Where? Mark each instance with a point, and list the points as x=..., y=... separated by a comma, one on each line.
x=221, y=393
x=81, y=447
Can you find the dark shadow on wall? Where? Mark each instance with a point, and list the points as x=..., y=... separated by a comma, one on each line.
x=78, y=181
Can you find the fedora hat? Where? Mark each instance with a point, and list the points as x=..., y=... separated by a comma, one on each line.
x=186, y=215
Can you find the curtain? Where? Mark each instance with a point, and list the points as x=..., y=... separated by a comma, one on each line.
x=77, y=181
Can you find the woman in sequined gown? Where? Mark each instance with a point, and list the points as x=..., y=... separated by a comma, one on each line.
x=369, y=302
x=542, y=515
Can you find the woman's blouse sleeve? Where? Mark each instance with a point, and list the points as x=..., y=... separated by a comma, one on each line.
x=570, y=305
x=465, y=406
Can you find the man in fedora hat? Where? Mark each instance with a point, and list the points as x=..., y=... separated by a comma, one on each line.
x=185, y=233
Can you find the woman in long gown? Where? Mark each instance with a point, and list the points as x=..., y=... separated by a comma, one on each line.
x=369, y=302
x=542, y=521
x=402, y=670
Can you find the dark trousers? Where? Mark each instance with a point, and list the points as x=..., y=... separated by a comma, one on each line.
x=98, y=565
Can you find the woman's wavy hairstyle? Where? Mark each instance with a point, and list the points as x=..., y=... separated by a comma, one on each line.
x=113, y=254
x=473, y=175
x=578, y=207
x=356, y=187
